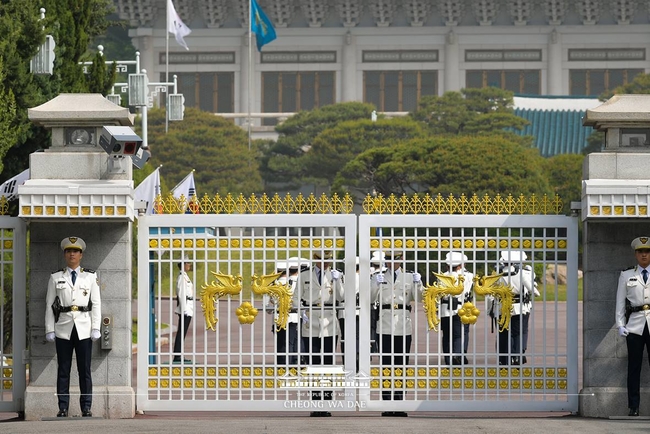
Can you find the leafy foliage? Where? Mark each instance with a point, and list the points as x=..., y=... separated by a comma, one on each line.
x=481, y=164
x=215, y=147
x=281, y=162
x=564, y=173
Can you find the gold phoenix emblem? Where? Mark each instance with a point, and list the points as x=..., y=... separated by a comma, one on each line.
x=224, y=285
x=488, y=285
x=281, y=294
x=446, y=285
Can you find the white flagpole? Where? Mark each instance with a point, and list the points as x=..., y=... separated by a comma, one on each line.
x=250, y=68
x=167, y=68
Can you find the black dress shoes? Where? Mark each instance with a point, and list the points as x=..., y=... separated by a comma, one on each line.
x=86, y=413
x=394, y=414
x=320, y=414
x=62, y=413
x=633, y=412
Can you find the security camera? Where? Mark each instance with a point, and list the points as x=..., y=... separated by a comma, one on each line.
x=119, y=141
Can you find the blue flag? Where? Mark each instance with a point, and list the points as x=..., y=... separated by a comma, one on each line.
x=261, y=26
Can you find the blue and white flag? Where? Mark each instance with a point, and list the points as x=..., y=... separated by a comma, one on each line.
x=185, y=188
x=176, y=26
x=261, y=25
x=9, y=188
x=149, y=189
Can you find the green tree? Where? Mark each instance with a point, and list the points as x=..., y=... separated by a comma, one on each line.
x=73, y=24
x=335, y=146
x=564, y=173
x=215, y=147
x=280, y=162
x=469, y=111
x=486, y=164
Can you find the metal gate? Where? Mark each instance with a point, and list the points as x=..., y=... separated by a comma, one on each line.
x=254, y=279
x=12, y=314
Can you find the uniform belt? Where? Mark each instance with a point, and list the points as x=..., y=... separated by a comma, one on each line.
x=189, y=298
x=640, y=308
x=76, y=308
x=396, y=306
x=322, y=305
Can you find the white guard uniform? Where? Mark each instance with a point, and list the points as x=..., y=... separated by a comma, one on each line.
x=319, y=302
x=84, y=290
x=631, y=286
x=185, y=294
x=397, y=292
x=446, y=305
x=522, y=284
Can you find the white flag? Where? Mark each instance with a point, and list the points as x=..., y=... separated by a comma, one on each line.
x=185, y=188
x=149, y=189
x=9, y=188
x=176, y=26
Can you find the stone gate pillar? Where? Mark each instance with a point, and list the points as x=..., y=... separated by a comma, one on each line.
x=77, y=189
x=615, y=196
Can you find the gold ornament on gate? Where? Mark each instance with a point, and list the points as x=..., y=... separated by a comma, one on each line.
x=468, y=313
x=489, y=285
x=445, y=286
x=225, y=284
x=246, y=313
x=280, y=294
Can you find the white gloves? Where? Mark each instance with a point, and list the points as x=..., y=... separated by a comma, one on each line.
x=622, y=331
x=417, y=277
x=95, y=334
x=380, y=277
x=50, y=336
x=336, y=274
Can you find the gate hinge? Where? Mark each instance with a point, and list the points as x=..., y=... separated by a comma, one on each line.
x=25, y=356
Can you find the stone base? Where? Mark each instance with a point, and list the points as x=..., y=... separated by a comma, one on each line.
x=109, y=402
x=606, y=402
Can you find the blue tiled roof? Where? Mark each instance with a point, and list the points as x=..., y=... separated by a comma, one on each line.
x=555, y=131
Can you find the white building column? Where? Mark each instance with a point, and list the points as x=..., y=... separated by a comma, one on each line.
x=244, y=86
x=349, y=69
x=452, y=64
x=554, y=69
x=142, y=40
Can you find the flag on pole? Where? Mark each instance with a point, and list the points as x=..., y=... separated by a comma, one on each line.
x=9, y=188
x=149, y=189
x=185, y=188
x=176, y=26
x=261, y=26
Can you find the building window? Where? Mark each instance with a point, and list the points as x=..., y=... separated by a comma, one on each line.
x=398, y=91
x=518, y=81
x=289, y=92
x=593, y=82
x=212, y=92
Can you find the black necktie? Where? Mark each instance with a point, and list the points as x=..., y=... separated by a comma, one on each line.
x=645, y=275
x=318, y=274
x=74, y=276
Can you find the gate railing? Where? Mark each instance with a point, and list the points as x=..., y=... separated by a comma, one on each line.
x=238, y=355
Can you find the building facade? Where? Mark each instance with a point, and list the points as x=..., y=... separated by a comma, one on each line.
x=388, y=52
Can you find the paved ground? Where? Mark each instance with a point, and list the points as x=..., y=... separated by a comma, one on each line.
x=253, y=423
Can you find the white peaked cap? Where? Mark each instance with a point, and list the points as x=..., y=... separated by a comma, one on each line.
x=377, y=257
x=513, y=256
x=455, y=258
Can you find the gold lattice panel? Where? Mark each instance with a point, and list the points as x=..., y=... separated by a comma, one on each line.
x=414, y=204
x=443, y=378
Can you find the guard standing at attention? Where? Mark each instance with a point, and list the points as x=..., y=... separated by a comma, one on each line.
x=453, y=330
x=72, y=321
x=521, y=281
x=633, y=317
x=321, y=290
x=394, y=290
x=184, y=307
